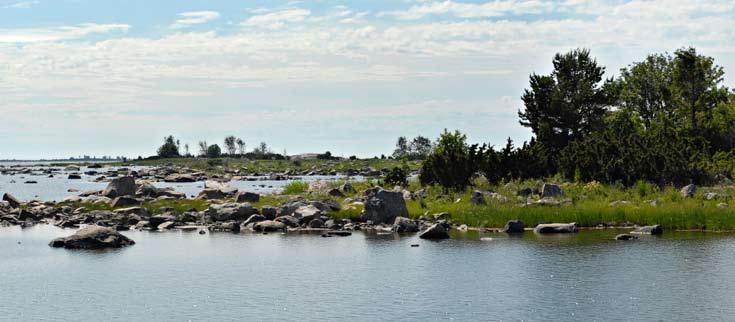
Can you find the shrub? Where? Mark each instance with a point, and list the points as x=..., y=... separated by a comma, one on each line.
x=452, y=163
x=398, y=176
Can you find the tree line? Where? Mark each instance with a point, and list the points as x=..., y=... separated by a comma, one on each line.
x=667, y=119
x=233, y=147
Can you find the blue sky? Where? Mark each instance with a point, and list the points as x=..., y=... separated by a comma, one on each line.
x=113, y=77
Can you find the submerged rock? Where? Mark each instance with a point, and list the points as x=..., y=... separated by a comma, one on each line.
x=405, y=225
x=556, y=228
x=625, y=237
x=93, y=237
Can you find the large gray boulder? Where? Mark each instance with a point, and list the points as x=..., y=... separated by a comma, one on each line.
x=93, y=237
x=551, y=190
x=124, y=201
x=118, y=187
x=211, y=194
x=14, y=203
x=383, y=206
x=556, y=228
x=688, y=191
x=436, y=231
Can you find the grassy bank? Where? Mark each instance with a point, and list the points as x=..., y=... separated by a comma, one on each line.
x=589, y=205
x=224, y=165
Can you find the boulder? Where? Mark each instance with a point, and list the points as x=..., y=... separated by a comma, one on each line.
x=124, y=201
x=347, y=188
x=14, y=203
x=316, y=223
x=722, y=205
x=436, y=231
x=244, y=196
x=688, y=191
x=211, y=194
x=319, y=187
x=556, y=228
x=166, y=225
x=289, y=221
x=514, y=227
x=477, y=198
x=335, y=193
x=254, y=219
x=221, y=186
x=122, y=186
x=158, y=220
x=269, y=226
x=710, y=195
x=405, y=225
x=269, y=212
x=74, y=176
x=180, y=178
x=649, y=230
x=307, y=213
x=230, y=211
x=93, y=237
x=382, y=206
x=550, y=190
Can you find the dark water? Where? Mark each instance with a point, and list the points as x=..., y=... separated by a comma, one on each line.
x=182, y=276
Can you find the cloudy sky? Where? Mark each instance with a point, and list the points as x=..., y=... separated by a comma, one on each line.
x=106, y=77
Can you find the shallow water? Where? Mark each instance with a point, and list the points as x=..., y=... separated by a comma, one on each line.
x=181, y=276
x=57, y=187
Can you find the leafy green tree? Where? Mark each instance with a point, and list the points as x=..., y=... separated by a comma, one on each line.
x=169, y=149
x=697, y=83
x=401, y=148
x=419, y=148
x=214, y=151
x=568, y=104
x=452, y=163
x=241, y=146
x=646, y=89
x=230, y=145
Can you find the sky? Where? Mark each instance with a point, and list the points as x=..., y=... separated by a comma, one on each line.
x=103, y=77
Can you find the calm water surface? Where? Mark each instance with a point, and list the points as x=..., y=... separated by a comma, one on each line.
x=181, y=276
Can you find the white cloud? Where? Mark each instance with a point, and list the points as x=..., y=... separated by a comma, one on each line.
x=278, y=19
x=194, y=18
x=21, y=5
x=473, y=10
x=58, y=33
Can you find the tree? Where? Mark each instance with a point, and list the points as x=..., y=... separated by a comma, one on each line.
x=203, y=146
x=568, y=104
x=240, y=146
x=169, y=149
x=186, y=149
x=325, y=156
x=261, y=150
x=230, y=145
x=214, y=151
x=646, y=89
x=696, y=81
x=401, y=148
x=419, y=148
x=452, y=163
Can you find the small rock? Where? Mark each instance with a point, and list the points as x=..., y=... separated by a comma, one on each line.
x=649, y=230
x=625, y=237
x=514, y=227
x=435, y=231
x=688, y=191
